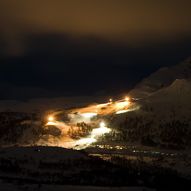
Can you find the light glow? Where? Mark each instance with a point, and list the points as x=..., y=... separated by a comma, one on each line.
x=127, y=98
x=51, y=118
x=84, y=142
x=122, y=111
x=101, y=130
x=102, y=124
x=95, y=134
x=51, y=123
x=88, y=115
x=127, y=110
x=121, y=105
x=102, y=105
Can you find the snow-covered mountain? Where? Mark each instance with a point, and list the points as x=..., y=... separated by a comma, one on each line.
x=162, y=78
x=176, y=96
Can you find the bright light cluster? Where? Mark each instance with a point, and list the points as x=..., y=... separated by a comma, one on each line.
x=101, y=130
x=87, y=115
x=95, y=134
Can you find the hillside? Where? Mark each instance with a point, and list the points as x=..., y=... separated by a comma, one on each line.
x=162, y=78
x=164, y=117
x=174, y=97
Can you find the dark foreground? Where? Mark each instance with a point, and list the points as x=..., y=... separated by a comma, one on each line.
x=52, y=168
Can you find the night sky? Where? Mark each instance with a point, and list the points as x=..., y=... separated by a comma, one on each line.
x=51, y=48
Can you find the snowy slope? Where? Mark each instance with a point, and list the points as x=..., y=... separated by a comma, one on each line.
x=174, y=98
x=162, y=78
x=179, y=91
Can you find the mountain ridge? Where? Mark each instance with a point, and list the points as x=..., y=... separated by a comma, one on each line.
x=163, y=77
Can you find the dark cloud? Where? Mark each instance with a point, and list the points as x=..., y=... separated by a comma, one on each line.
x=60, y=47
x=62, y=65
